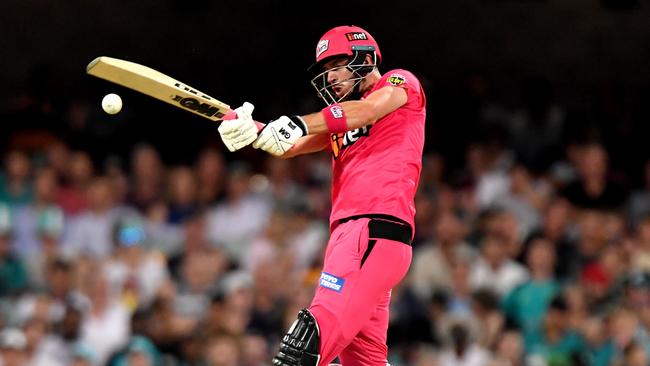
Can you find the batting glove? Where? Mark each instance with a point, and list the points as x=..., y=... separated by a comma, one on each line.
x=241, y=131
x=278, y=136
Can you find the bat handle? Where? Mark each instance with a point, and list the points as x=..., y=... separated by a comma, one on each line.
x=232, y=115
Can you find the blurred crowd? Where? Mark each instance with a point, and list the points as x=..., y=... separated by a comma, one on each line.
x=521, y=256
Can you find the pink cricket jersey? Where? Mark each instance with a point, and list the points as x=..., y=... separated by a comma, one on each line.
x=376, y=168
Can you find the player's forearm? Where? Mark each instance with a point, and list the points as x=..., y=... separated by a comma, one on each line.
x=357, y=114
x=363, y=112
x=306, y=145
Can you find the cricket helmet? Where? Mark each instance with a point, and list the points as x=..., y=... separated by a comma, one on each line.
x=349, y=41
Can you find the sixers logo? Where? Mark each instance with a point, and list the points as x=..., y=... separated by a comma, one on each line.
x=337, y=111
x=322, y=46
x=341, y=141
x=396, y=79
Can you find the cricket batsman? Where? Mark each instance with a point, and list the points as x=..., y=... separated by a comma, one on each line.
x=373, y=125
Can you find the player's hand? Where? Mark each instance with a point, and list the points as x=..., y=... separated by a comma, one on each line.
x=241, y=131
x=278, y=136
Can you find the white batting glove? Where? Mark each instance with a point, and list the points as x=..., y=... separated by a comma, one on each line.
x=241, y=131
x=278, y=136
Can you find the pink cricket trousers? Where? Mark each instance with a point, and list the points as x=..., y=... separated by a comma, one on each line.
x=352, y=300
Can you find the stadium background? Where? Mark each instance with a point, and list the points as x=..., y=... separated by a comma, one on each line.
x=526, y=100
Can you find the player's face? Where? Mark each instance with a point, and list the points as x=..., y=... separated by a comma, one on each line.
x=338, y=76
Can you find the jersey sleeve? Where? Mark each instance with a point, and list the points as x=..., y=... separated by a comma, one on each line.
x=400, y=78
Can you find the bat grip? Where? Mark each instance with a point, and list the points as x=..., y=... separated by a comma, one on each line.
x=233, y=115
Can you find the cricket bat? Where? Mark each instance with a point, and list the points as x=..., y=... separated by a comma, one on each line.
x=155, y=84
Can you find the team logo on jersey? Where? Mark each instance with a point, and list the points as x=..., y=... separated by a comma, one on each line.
x=331, y=282
x=322, y=46
x=396, y=79
x=340, y=141
x=356, y=36
x=337, y=111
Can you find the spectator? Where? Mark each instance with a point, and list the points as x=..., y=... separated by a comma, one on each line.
x=140, y=351
x=433, y=261
x=526, y=198
x=44, y=348
x=555, y=342
x=593, y=236
x=509, y=350
x=599, y=347
x=222, y=351
x=527, y=303
x=486, y=312
x=640, y=255
x=72, y=196
x=593, y=190
x=13, y=273
x=146, y=177
x=211, y=177
x=41, y=215
x=282, y=187
x=82, y=355
x=622, y=326
x=242, y=216
x=91, y=232
x=255, y=350
x=15, y=184
x=635, y=355
x=13, y=347
x=105, y=325
x=638, y=206
x=462, y=351
x=505, y=226
x=134, y=272
x=182, y=192
x=556, y=228
x=494, y=270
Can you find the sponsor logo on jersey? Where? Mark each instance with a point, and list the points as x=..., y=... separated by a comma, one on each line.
x=331, y=282
x=356, y=36
x=340, y=141
x=322, y=46
x=396, y=79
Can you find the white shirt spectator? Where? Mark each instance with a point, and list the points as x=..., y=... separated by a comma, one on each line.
x=90, y=234
x=501, y=279
x=150, y=273
x=234, y=225
x=431, y=271
x=107, y=332
x=473, y=356
x=51, y=351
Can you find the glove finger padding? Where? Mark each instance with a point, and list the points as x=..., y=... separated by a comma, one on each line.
x=278, y=136
x=241, y=131
x=245, y=111
x=263, y=137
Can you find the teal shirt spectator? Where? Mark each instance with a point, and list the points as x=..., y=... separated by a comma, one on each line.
x=527, y=303
x=137, y=344
x=559, y=353
x=600, y=355
x=13, y=275
x=15, y=199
